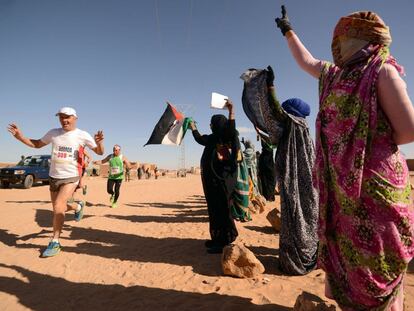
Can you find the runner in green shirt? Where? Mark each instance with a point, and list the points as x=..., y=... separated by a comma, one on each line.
x=117, y=162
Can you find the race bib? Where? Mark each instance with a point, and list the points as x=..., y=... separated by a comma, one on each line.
x=115, y=170
x=62, y=154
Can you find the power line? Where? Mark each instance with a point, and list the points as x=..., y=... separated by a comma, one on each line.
x=157, y=21
x=190, y=22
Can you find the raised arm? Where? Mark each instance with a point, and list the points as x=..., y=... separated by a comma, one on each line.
x=106, y=159
x=17, y=133
x=302, y=56
x=99, y=137
x=394, y=100
x=230, y=108
x=201, y=139
x=277, y=110
x=231, y=129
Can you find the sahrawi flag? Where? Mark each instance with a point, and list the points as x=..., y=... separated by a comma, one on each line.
x=170, y=129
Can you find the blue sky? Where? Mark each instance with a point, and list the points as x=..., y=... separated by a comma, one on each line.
x=118, y=61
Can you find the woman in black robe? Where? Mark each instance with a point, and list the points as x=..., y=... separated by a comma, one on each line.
x=266, y=173
x=219, y=177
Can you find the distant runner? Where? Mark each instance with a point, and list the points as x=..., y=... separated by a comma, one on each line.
x=85, y=160
x=116, y=173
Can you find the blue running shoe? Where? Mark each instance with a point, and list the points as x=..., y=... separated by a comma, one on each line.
x=52, y=249
x=79, y=215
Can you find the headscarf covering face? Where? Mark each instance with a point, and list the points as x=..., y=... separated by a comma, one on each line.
x=218, y=125
x=354, y=32
x=296, y=107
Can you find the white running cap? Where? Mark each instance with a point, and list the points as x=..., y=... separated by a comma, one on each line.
x=67, y=111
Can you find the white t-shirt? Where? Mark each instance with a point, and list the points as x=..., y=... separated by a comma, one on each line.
x=67, y=148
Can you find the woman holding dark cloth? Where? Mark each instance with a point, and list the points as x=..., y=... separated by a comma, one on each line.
x=366, y=220
x=219, y=177
x=266, y=172
x=294, y=161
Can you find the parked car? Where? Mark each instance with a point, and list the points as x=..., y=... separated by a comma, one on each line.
x=29, y=170
x=182, y=172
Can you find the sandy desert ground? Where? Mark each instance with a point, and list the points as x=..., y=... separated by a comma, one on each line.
x=147, y=254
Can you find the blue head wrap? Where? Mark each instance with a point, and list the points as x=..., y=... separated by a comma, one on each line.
x=296, y=107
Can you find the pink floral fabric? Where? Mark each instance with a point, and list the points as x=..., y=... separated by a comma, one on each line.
x=366, y=217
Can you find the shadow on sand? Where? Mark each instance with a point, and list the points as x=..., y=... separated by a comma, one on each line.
x=46, y=293
x=160, y=219
x=123, y=246
x=11, y=239
x=180, y=216
x=269, y=257
x=115, y=245
x=266, y=230
x=8, y=238
x=89, y=204
x=165, y=205
x=31, y=202
x=118, y=245
x=44, y=218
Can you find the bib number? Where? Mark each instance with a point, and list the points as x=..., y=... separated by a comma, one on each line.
x=115, y=170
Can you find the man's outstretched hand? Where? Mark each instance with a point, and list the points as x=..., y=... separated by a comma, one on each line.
x=14, y=130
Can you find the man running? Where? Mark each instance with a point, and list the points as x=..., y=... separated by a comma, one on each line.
x=85, y=160
x=116, y=173
x=127, y=174
x=64, y=174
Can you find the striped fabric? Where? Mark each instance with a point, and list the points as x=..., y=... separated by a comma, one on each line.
x=240, y=206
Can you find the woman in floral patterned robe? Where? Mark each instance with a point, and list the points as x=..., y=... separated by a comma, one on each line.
x=366, y=217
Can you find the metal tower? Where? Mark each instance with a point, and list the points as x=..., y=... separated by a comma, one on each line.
x=185, y=109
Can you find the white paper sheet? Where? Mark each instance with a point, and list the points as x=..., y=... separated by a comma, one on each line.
x=218, y=101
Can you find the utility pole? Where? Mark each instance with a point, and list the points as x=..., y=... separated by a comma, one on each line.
x=184, y=109
x=182, y=158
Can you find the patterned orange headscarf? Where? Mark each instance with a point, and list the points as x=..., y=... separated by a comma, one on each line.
x=362, y=26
